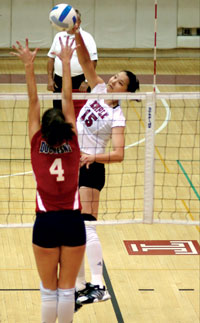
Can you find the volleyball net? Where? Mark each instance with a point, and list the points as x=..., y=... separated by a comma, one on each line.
x=158, y=181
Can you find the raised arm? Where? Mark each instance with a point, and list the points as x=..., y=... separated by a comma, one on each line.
x=67, y=103
x=85, y=61
x=28, y=57
x=50, y=70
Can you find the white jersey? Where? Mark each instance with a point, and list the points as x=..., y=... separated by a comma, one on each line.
x=95, y=122
x=76, y=68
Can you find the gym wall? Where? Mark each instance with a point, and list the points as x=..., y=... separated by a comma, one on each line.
x=113, y=23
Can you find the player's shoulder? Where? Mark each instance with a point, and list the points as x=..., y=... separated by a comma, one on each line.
x=118, y=113
x=36, y=138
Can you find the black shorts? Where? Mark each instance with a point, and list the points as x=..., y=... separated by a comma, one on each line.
x=59, y=228
x=76, y=82
x=93, y=177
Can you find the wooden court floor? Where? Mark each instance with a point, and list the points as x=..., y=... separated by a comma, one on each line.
x=145, y=288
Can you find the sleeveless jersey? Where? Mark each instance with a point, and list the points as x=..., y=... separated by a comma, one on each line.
x=95, y=122
x=56, y=172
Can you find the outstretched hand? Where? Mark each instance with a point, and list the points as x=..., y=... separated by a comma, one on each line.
x=66, y=50
x=24, y=53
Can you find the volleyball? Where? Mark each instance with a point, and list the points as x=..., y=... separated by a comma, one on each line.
x=63, y=17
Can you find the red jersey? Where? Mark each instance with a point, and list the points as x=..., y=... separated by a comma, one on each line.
x=56, y=172
x=78, y=104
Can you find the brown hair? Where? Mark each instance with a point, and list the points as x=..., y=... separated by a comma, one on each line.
x=54, y=127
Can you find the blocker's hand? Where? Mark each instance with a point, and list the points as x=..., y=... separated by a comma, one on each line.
x=24, y=53
x=67, y=50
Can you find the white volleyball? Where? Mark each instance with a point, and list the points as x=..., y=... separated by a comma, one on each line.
x=63, y=17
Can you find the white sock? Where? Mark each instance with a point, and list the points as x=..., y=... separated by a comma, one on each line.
x=94, y=254
x=66, y=300
x=80, y=280
x=49, y=304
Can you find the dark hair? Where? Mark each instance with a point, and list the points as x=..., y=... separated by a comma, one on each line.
x=134, y=83
x=78, y=13
x=54, y=128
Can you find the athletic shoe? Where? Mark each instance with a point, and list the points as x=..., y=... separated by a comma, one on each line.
x=77, y=306
x=81, y=293
x=93, y=295
x=86, y=290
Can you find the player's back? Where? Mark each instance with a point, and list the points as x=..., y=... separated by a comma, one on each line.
x=56, y=171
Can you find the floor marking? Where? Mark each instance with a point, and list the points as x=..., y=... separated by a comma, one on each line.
x=117, y=269
x=162, y=160
x=18, y=290
x=188, y=179
x=195, y=191
x=112, y=294
x=16, y=174
x=190, y=215
x=162, y=247
x=164, y=124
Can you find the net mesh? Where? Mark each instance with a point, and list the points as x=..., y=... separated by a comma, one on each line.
x=177, y=161
x=174, y=151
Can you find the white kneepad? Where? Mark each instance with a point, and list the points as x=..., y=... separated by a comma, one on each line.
x=48, y=294
x=91, y=234
x=64, y=294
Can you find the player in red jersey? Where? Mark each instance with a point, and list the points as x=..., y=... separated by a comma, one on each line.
x=59, y=232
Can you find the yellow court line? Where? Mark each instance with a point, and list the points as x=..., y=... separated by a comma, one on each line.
x=139, y=118
x=191, y=216
x=162, y=160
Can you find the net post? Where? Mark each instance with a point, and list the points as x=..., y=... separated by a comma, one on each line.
x=149, y=158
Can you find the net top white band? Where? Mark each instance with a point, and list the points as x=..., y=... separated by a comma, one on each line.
x=106, y=96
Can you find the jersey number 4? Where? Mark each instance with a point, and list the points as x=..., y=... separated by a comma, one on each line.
x=56, y=169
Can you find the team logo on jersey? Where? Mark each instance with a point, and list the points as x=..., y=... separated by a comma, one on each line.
x=46, y=149
x=99, y=109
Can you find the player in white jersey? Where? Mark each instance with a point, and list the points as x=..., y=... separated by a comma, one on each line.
x=95, y=123
x=98, y=121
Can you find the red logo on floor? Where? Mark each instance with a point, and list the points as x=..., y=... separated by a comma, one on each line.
x=162, y=247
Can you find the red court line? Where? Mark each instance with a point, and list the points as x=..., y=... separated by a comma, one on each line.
x=143, y=78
